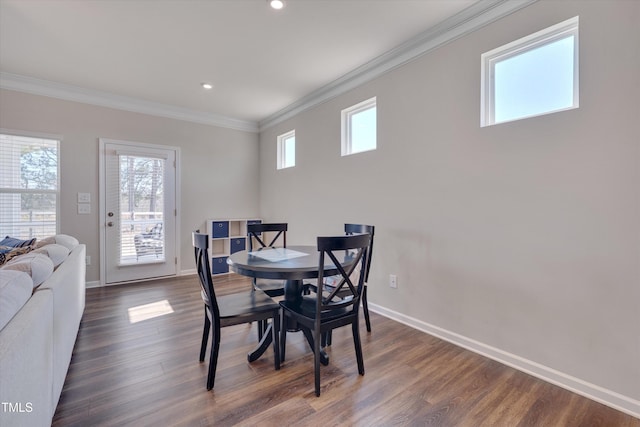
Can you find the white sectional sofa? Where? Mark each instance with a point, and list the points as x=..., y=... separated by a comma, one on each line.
x=37, y=336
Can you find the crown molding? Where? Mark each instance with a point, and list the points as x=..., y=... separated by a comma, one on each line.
x=68, y=92
x=470, y=19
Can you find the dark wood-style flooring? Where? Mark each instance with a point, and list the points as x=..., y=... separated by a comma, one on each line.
x=147, y=373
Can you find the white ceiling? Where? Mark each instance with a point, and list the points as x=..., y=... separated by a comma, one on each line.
x=159, y=51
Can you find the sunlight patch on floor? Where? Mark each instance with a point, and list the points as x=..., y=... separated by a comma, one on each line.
x=149, y=311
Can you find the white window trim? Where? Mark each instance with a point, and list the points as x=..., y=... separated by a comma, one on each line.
x=517, y=47
x=282, y=150
x=40, y=135
x=346, y=114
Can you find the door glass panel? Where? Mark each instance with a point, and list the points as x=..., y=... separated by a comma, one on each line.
x=142, y=237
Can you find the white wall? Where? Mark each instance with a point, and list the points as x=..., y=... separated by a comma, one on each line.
x=522, y=237
x=219, y=166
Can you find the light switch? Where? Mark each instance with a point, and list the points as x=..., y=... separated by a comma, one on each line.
x=84, y=208
x=84, y=197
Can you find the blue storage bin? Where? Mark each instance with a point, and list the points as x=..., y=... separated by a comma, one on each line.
x=219, y=229
x=219, y=265
x=238, y=244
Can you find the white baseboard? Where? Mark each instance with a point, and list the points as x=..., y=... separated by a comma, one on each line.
x=97, y=284
x=607, y=397
x=93, y=284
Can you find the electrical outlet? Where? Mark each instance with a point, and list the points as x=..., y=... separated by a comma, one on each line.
x=88, y=260
x=393, y=281
x=84, y=208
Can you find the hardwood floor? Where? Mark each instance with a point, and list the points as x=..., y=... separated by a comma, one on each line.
x=147, y=373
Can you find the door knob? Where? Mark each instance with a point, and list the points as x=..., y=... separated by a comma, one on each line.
x=110, y=214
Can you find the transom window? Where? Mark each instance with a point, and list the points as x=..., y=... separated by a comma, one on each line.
x=29, y=186
x=534, y=75
x=287, y=150
x=359, y=127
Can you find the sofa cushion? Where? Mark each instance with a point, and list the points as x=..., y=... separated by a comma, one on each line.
x=57, y=253
x=38, y=266
x=8, y=252
x=69, y=242
x=43, y=242
x=17, y=243
x=65, y=240
x=15, y=291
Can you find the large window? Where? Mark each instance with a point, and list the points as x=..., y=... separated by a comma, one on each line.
x=535, y=75
x=29, y=186
x=359, y=125
x=287, y=150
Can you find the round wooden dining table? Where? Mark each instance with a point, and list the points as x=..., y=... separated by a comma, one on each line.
x=292, y=264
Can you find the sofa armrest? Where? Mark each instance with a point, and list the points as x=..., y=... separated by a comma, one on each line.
x=67, y=283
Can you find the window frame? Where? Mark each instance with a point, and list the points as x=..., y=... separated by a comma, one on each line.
x=346, y=126
x=15, y=190
x=281, y=162
x=519, y=47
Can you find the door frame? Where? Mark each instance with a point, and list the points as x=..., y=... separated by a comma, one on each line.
x=102, y=219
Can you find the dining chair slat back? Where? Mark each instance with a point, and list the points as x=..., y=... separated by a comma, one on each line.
x=257, y=235
x=350, y=229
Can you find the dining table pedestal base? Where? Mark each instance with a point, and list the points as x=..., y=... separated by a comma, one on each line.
x=263, y=345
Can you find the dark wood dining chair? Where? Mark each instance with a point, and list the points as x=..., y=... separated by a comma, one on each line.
x=257, y=239
x=351, y=229
x=323, y=312
x=228, y=310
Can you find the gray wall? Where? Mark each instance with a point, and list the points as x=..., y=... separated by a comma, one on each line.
x=219, y=166
x=522, y=236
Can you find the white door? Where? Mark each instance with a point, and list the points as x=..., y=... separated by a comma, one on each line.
x=138, y=211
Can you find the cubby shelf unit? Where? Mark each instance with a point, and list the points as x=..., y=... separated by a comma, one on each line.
x=226, y=236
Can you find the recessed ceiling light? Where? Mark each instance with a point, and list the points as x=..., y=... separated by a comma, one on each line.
x=207, y=86
x=276, y=4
